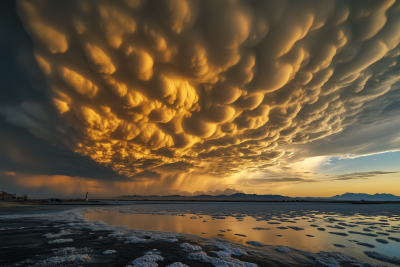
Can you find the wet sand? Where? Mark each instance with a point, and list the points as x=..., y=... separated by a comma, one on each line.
x=26, y=245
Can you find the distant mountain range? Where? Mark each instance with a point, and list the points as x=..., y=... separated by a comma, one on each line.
x=358, y=196
x=249, y=197
x=236, y=196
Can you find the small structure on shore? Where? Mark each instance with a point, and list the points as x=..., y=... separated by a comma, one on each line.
x=54, y=199
x=15, y=197
x=19, y=196
x=5, y=196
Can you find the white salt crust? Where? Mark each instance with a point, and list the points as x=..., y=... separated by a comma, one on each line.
x=107, y=252
x=59, y=241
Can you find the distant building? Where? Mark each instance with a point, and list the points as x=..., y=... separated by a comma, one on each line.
x=53, y=200
x=19, y=196
x=5, y=196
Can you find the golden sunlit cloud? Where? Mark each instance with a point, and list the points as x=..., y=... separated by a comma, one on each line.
x=213, y=87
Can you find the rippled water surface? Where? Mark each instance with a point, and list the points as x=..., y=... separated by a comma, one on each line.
x=346, y=228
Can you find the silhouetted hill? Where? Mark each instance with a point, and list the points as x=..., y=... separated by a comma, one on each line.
x=359, y=196
x=237, y=196
x=255, y=197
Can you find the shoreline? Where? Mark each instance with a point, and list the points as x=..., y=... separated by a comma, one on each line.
x=119, y=201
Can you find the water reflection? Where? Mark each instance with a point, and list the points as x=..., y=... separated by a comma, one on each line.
x=313, y=233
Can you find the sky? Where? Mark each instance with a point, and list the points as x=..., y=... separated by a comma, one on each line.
x=189, y=97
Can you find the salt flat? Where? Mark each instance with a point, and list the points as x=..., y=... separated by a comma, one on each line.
x=90, y=239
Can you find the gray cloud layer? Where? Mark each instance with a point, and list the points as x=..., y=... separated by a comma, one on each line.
x=360, y=175
x=146, y=87
x=299, y=178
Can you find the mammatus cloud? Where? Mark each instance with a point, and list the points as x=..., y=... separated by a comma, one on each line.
x=147, y=87
x=356, y=140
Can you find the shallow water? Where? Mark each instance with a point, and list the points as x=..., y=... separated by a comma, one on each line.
x=373, y=220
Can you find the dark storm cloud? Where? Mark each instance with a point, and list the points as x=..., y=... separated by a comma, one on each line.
x=20, y=150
